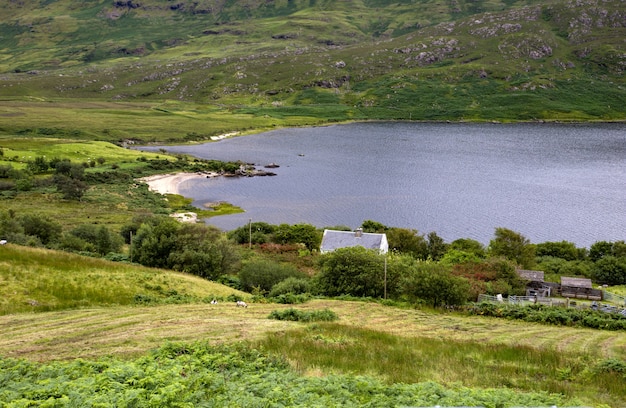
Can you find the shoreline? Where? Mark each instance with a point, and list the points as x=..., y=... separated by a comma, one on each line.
x=169, y=183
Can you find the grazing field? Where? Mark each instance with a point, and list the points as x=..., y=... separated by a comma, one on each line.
x=395, y=345
x=60, y=307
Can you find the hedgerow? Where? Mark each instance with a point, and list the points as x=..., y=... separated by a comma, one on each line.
x=200, y=375
x=558, y=316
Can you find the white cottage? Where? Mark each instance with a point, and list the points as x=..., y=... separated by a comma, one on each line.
x=341, y=239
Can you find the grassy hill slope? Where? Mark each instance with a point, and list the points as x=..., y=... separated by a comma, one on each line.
x=286, y=62
x=35, y=280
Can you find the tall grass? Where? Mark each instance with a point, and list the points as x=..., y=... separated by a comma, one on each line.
x=337, y=348
x=36, y=280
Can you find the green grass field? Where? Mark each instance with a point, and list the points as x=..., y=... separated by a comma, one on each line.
x=59, y=306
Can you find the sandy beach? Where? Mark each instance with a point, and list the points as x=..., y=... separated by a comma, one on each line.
x=168, y=183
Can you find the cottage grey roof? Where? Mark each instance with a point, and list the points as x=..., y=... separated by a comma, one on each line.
x=341, y=239
x=533, y=276
x=576, y=282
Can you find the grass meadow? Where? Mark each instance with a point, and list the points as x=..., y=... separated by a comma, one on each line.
x=59, y=306
x=38, y=280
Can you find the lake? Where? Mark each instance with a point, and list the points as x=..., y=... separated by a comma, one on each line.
x=549, y=182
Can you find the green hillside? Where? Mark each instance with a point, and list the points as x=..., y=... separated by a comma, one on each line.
x=36, y=280
x=288, y=62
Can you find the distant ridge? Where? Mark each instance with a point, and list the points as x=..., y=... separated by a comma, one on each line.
x=426, y=60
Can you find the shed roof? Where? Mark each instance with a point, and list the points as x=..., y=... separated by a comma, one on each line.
x=333, y=240
x=533, y=276
x=576, y=282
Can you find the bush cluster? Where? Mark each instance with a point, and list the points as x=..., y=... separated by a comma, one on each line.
x=296, y=315
x=558, y=316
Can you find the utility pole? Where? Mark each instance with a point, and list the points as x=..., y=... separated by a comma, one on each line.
x=385, y=276
x=250, y=233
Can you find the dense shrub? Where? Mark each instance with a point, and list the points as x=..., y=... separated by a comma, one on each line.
x=610, y=270
x=552, y=315
x=263, y=274
x=291, y=299
x=354, y=271
x=295, y=315
x=291, y=285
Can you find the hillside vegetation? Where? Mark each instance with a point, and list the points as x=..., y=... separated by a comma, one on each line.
x=36, y=280
x=227, y=66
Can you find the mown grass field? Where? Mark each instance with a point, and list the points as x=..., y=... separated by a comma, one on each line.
x=94, y=312
x=369, y=339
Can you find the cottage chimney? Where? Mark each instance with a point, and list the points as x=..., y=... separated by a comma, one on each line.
x=358, y=232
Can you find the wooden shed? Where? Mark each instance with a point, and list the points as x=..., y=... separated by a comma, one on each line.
x=580, y=288
x=536, y=285
x=532, y=276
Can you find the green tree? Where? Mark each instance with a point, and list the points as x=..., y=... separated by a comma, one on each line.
x=261, y=233
x=101, y=239
x=564, y=250
x=264, y=274
x=355, y=271
x=468, y=245
x=70, y=188
x=601, y=249
x=291, y=285
x=408, y=242
x=435, y=284
x=436, y=246
x=305, y=234
x=153, y=244
x=373, y=227
x=610, y=270
x=194, y=248
x=39, y=165
x=456, y=256
x=42, y=227
x=514, y=246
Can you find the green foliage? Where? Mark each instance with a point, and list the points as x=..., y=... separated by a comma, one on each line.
x=612, y=365
x=436, y=246
x=559, y=266
x=353, y=271
x=296, y=315
x=600, y=249
x=374, y=227
x=514, y=246
x=610, y=270
x=424, y=362
x=185, y=375
x=408, y=242
x=456, y=256
x=305, y=234
x=552, y=315
x=193, y=248
x=491, y=276
x=99, y=237
x=564, y=250
x=264, y=274
x=260, y=232
x=435, y=284
x=41, y=227
x=291, y=285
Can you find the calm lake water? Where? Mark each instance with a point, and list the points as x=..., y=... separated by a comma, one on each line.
x=550, y=182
